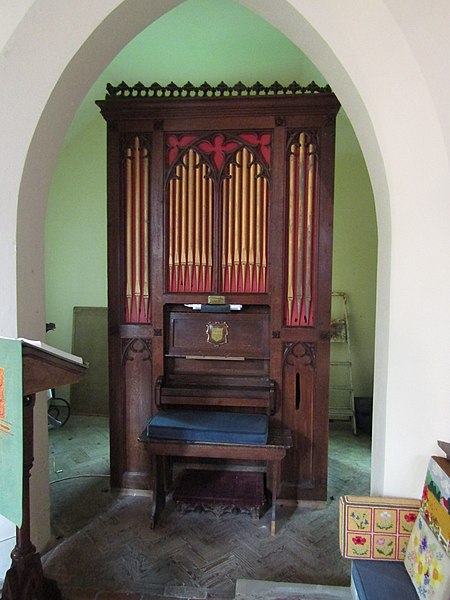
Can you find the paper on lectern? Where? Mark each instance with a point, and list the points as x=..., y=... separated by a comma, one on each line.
x=52, y=350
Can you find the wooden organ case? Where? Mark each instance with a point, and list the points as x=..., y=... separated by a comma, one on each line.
x=221, y=194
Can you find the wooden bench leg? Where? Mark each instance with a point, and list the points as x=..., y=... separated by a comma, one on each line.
x=275, y=469
x=159, y=493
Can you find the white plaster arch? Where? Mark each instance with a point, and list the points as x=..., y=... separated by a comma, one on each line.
x=362, y=50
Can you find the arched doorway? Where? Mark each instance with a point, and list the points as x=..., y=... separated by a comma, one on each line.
x=76, y=211
x=47, y=112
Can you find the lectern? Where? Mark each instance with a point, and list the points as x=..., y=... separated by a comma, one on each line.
x=42, y=368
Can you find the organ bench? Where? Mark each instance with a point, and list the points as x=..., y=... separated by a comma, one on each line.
x=271, y=453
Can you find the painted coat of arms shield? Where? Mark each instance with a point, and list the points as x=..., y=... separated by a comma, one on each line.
x=217, y=333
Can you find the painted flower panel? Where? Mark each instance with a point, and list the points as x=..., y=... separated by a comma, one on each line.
x=427, y=564
x=360, y=519
x=407, y=520
x=385, y=520
x=358, y=545
x=384, y=546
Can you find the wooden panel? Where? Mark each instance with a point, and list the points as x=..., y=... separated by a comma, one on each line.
x=136, y=403
x=228, y=371
x=298, y=410
x=247, y=334
x=90, y=340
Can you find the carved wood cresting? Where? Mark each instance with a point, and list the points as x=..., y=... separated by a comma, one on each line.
x=205, y=90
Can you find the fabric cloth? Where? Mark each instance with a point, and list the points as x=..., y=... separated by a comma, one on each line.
x=382, y=580
x=427, y=563
x=377, y=528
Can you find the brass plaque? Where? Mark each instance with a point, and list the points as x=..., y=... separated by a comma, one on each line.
x=217, y=333
x=216, y=299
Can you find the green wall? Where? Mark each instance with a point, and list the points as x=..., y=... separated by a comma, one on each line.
x=75, y=235
x=213, y=41
x=355, y=250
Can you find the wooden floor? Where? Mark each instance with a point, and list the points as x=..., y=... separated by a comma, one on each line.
x=104, y=547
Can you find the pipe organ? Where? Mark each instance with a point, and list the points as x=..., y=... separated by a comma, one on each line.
x=221, y=196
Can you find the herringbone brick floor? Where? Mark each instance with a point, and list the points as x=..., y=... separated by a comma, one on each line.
x=106, y=548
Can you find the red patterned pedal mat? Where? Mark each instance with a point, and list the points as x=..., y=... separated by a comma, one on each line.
x=220, y=491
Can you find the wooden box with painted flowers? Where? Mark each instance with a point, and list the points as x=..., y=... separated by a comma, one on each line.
x=376, y=528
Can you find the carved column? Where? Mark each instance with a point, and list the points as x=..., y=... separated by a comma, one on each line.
x=299, y=379
x=137, y=402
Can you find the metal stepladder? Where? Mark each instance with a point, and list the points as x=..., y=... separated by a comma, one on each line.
x=342, y=400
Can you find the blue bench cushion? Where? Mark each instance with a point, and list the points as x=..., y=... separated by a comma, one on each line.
x=376, y=579
x=209, y=426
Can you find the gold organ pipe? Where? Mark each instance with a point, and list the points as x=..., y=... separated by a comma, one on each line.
x=309, y=226
x=191, y=207
x=237, y=199
x=183, y=225
x=225, y=185
x=230, y=226
x=198, y=231
x=291, y=226
x=171, y=232
x=210, y=235
x=146, y=290
x=176, y=225
x=129, y=232
x=264, y=234
x=252, y=224
x=300, y=218
x=204, y=223
x=259, y=200
x=137, y=225
x=244, y=219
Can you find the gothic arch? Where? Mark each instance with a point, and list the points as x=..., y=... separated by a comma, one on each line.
x=44, y=102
